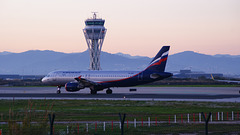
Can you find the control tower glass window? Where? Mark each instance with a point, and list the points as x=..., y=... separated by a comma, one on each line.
x=95, y=23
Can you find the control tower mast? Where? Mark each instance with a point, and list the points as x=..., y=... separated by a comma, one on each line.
x=94, y=33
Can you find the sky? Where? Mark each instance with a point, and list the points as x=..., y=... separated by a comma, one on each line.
x=136, y=27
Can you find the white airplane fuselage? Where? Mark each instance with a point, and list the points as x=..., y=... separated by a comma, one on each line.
x=60, y=78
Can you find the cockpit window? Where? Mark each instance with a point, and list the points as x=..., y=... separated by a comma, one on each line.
x=52, y=74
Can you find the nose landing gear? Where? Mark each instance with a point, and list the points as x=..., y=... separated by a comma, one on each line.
x=59, y=90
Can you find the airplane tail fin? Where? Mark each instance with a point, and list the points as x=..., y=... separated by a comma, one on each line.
x=159, y=61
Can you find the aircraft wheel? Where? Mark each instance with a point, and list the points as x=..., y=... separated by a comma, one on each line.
x=93, y=92
x=58, y=91
x=109, y=91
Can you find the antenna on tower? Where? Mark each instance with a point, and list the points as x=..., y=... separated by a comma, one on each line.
x=94, y=15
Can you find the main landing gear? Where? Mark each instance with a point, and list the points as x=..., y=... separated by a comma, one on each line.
x=109, y=91
x=59, y=89
x=93, y=92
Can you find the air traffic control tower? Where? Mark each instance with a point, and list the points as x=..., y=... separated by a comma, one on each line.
x=94, y=33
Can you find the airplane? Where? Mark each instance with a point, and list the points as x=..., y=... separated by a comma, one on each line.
x=100, y=80
x=227, y=81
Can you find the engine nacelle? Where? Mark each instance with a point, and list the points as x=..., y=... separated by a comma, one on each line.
x=73, y=86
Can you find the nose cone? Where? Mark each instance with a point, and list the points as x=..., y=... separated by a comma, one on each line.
x=44, y=80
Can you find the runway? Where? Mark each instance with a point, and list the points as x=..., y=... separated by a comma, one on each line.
x=218, y=94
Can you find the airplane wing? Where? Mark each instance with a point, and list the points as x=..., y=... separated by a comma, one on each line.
x=86, y=82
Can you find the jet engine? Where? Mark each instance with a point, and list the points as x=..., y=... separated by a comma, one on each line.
x=73, y=86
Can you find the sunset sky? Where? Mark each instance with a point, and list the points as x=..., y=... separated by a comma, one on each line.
x=136, y=27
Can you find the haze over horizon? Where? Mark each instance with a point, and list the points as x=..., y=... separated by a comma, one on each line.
x=118, y=53
x=43, y=62
x=133, y=27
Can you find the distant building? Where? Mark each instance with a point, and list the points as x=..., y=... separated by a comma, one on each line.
x=20, y=77
x=196, y=75
x=9, y=77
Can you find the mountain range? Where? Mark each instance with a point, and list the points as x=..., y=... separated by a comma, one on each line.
x=35, y=62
